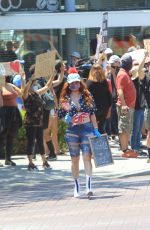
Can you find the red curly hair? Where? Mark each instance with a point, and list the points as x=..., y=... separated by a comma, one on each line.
x=83, y=90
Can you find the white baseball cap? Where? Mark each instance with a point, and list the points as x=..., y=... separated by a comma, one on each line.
x=108, y=51
x=113, y=59
x=73, y=77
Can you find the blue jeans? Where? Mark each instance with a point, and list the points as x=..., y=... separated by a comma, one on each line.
x=137, y=128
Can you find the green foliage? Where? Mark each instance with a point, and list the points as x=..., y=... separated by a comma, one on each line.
x=20, y=142
x=61, y=135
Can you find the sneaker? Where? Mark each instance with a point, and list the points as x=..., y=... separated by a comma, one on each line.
x=32, y=166
x=52, y=158
x=89, y=193
x=9, y=162
x=76, y=193
x=129, y=154
x=141, y=153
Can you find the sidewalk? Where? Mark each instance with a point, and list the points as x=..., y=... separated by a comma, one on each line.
x=43, y=200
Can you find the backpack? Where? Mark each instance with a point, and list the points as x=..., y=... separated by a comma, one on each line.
x=48, y=100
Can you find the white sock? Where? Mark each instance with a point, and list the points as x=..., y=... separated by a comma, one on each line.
x=88, y=183
x=76, y=188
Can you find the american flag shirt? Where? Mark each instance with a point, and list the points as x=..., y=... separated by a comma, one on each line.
x=75, y=111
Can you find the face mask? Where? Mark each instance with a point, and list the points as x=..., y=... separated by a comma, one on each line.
x=74, y=87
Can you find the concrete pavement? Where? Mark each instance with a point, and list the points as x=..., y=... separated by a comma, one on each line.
x=43, y=200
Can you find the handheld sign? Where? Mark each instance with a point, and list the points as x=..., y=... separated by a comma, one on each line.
x=105, y=30
x=137, y=55
x=102, y=37
x=45, y=64
x=147, y=45
x=10, y=68
x=101, y=150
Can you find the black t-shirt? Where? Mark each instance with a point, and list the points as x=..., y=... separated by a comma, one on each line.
x=114, y=90
x=145, y=84
x=101, y=94
x=140, y=98
x=10, y=56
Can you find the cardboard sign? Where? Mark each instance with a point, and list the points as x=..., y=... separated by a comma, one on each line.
x=10, y=68
x=147, y=45
x=137, y=55
x=45, y=65
x=101, y=150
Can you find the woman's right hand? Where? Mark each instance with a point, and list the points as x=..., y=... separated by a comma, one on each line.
x=67, y=118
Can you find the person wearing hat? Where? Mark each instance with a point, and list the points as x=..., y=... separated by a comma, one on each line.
x=138, y=118
x=78, y=108
x=125, y=104
x=108, y=53
x=114, y=63
x=75, y=57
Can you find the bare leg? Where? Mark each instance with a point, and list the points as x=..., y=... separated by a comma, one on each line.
x=53, y=126
x=75, y=175
x=124, y=140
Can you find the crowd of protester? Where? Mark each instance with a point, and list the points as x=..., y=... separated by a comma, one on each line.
x=108, y=95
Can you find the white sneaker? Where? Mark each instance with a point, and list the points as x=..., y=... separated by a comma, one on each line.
x=76, y=194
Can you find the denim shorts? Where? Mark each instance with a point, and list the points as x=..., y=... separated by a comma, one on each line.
x=77, y=138
x=147, y=118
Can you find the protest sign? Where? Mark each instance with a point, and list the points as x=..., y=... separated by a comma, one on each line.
x=10, y=68
x=102, y=37
x=45, y=65
x=105, y=30
x=137, y=55
x=147, y=45
x=101, y=151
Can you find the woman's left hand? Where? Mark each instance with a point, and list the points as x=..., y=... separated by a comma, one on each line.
x=96, y=132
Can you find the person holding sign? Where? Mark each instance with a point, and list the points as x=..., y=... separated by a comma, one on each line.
x=34, y=119
x=78, y=108
x=13, y=120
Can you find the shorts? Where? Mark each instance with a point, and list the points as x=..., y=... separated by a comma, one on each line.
x=125, y=121
x=77, y=138
x=147, y=118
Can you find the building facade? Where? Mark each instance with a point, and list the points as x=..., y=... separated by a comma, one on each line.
x=72, y=25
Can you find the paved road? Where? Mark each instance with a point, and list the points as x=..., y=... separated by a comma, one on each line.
x=43, y=200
